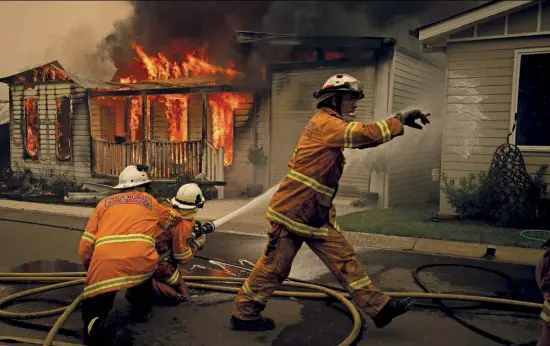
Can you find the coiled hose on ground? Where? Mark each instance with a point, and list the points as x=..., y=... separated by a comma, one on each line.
x=68, y=279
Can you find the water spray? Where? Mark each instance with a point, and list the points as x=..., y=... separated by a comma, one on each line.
x=260, y=201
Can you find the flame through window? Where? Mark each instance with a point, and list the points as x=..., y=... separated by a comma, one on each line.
x=32, y=128
x=63, y=128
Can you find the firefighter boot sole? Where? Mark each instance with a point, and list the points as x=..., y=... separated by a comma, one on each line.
x=391, y=310
x=112, y=331
x=258, y=325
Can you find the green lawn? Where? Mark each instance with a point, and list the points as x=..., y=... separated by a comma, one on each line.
x=416, y=222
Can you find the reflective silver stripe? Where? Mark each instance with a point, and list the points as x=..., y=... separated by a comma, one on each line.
x=124, y=238
x=257, y=297
x=314, y=184
x=295, y=226
x=91, y=324
x=358, y=284
x=89, y=237
x=99, y=286
x=386, y=134
x=174, y=278
x=184, y=255
x=545, y=313
x=348, y=135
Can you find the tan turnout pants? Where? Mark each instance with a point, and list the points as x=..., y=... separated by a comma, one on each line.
x=335, y=251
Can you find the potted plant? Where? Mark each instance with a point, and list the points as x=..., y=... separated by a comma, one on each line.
x=257, y=157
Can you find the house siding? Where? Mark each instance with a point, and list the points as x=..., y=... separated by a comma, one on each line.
x=411, y=158
x=481, y=71
x=79, y=165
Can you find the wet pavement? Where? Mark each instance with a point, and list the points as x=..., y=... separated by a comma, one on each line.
x=204, y=319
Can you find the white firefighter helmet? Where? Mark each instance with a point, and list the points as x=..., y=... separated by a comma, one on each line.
x=131, y=176
x=189, y=196
x=340, y=83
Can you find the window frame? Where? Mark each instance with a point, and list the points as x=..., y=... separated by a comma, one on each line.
x=70, y=160
x=23, y=124
x=518, y=53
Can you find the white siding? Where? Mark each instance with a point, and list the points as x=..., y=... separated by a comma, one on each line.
x=417, y=83
x=481, y=71
x=79, y=166
x=292, y=107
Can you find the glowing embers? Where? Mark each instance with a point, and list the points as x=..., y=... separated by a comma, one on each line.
x=32, y=128
x=63, y=128
x=42, y=75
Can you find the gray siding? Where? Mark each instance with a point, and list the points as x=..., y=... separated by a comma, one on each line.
x=480, y=81
x=417, y=83
x=293, y=106
x=79, y=166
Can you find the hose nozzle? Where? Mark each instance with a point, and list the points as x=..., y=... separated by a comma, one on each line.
x=205, y=228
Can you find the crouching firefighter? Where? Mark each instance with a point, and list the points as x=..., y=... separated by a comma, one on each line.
x=178, y=245
x=118, y=251
x=542, y=275
x=301, y=211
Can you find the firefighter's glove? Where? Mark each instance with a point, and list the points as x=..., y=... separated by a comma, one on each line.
x=409, y=118
x=199, y=241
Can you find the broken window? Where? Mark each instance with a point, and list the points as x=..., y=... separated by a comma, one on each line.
x=31, y=129
x=64, y=133
x=533, y=100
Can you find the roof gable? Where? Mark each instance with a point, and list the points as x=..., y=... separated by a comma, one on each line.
x=446, y=27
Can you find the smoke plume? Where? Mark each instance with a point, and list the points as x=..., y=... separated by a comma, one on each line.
x=156, y=25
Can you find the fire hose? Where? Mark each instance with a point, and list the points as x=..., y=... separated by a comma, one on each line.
x=68, y=279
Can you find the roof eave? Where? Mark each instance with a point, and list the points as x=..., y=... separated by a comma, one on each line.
x=437, y=31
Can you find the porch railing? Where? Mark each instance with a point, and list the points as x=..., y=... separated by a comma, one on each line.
x=167, y=160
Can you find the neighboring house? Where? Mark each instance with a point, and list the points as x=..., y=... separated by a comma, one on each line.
x=394, y=79
x=498, y=69
x=4, y=135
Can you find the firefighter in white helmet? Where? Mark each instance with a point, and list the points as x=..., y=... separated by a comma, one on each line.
x=177, y=246
x=118, y=251
x=302, y=209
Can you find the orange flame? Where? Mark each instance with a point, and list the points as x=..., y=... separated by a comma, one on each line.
x=222, y=106
x=175, y=109
x=62, y=153
x=31, y=112
x=44, y=74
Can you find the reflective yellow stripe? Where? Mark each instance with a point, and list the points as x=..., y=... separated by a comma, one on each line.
x=545, y=313
x=337, y=227
x=91, y=324
x=174, y=278
x=89, y=237
x=136, y=279
x=170, y=219
x=124, y=238
x=348, y=136
x=315, y=185
x=257, y=297
x=361, y=283
x=184, y=255
x=386, y=134
x=295, y=226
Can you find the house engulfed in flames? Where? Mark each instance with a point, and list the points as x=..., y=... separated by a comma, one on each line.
x=191, y=116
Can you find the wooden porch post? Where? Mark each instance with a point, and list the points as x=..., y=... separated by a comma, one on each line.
x=204, y=132
x=144, y=127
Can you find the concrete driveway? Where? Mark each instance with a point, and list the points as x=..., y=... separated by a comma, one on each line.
x=204, y=320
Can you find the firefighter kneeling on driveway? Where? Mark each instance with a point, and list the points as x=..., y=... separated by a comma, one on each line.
x=302, y=210
x=178, y=245
x=118, y=251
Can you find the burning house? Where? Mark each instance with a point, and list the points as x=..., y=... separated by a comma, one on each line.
x=186, y=115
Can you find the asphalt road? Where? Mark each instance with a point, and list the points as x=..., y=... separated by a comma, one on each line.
x=204, y=320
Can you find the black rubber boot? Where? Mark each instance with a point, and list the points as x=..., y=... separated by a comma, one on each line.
x=391, y=310
x=257, y=325
x=110, y=331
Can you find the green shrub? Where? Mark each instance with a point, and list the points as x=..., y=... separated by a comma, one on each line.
x=466, y=196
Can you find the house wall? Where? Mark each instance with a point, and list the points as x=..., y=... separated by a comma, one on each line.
x=79, y=166
x=249, y=130
x=416, y=83
x=479, y=98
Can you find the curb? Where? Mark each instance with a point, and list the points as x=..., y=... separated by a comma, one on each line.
x=509, y=254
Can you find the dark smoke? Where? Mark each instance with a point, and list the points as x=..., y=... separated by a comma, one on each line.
x=157, y=24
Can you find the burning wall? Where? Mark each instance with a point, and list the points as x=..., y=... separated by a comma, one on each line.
x=176, y=106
